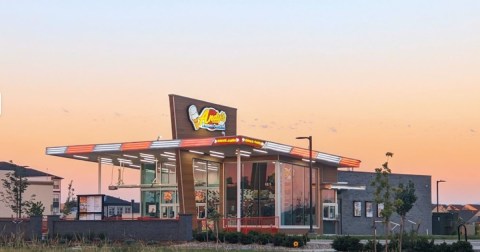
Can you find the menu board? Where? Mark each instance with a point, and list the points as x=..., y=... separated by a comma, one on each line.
x=90, y=207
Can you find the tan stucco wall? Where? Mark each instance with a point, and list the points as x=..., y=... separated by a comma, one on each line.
x=43, y=192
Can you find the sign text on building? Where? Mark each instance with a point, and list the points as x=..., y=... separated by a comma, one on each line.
x=210, y=119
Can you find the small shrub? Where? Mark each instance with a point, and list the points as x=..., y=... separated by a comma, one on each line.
x=264, y=239
x=221, y=236
x=462, y=246
x=254, y=234
x=294, y=241
x=152, y=243
x=246, y=239
x=202, y=236
x=443, y=247
x=306, y=238
x=278, y=239
x=232, y=237
x=89, y=236
x=102, y=236
x=347, y=243
x=129, y=242
x=369, y=246
x=423, y=245
x=68, y=236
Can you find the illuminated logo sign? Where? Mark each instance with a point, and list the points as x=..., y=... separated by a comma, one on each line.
x=209, y=119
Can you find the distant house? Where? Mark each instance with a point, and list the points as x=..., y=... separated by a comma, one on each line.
x=454, y=207
x=46, y=188
x=466, y=215
x=471, y=207
x=116, y=207
x=475, y=218
x=441, y=208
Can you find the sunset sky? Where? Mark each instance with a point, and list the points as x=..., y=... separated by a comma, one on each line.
x=361, y=77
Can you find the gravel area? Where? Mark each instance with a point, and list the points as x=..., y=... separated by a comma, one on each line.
x=269, y=247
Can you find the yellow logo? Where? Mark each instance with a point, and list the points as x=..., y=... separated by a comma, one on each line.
x=209, y=119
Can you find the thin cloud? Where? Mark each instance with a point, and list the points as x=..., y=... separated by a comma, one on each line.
x=473, y=131
x=333, y=129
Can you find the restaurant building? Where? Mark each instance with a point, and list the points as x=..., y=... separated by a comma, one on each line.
x=207, y=167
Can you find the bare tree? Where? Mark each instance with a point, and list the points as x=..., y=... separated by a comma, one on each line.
x=15, y=186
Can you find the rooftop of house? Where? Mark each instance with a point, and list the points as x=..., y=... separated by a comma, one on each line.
x=114, y=201
x=25, y=170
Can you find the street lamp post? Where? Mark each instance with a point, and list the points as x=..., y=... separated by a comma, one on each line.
x=439, y=181
x=310, y=187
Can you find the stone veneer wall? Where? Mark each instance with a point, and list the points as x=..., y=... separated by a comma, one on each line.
x=421, y=213
x=147, y=230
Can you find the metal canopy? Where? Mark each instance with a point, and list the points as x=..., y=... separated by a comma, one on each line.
x=132, y=154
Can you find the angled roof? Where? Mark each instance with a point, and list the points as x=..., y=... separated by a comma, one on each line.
x=118, y=153
x=25, y=171
x=466, y=215
x=454, y=207
x=475, y=218
x=110, y=200
x=441, y=208
x=472, y=207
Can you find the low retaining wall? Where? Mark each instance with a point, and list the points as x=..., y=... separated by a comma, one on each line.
x=27, y=229
x=148, y=230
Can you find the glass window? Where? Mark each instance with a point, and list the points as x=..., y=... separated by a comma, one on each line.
x=148, y=173
x=168, y=174
x=213, y=174
x=168, y=212
x=295, y=202
x=128, y=209
x=330, y=211
x=257, y=189
x=207, y=194
x=200, y=173
x=286, y=201
x=298, y=195
x=231, y=190
x=200, y=196
x=111, y=211
x=213, y=201
x=169, y=197
x=150, y=201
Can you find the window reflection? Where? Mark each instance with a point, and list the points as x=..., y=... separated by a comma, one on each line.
x=295, y=202
x=206, y=180
x=257, y=189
